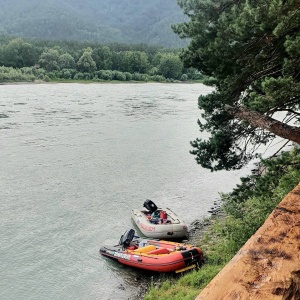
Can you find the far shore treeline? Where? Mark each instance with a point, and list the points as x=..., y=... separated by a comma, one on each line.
x=30, y=59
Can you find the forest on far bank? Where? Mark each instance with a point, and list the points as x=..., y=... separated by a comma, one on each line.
x=102, y=21
x=30, y=59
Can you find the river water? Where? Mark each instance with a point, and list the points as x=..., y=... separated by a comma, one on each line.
x=75, y=159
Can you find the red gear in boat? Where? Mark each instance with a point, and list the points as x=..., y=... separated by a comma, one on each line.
x=163, y=216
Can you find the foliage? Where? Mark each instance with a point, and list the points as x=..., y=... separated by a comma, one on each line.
x=13, y=75
x=187, y=287
x=18, y=53
x=117, y=75
x=63, y=60
x=105, y=74
x=66, y=61
x=184, y=77
x=86, y=62
x=246, y=209
x=250, y=49
x=97, y=20
x=170, y=66
x=49, y=60
x=133, y=61
x=102, y=57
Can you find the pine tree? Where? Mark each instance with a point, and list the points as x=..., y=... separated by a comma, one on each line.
x=252, y=51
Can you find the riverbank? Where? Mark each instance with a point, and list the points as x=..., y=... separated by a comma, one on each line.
x=24, y=82
x=267, y=266
x=32, y=75
x=198, y=230
x=38, y=81
x=156, y=280
x=243, y=212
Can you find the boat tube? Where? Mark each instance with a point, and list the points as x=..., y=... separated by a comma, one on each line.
x=153, y=255
x=159, y=223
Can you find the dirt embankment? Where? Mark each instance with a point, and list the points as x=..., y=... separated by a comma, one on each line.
x=268, y=265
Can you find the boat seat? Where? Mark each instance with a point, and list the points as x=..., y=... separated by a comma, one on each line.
x=159, y=251
x=145, y=249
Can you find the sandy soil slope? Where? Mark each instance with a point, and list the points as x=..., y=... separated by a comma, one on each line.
x=268, y=265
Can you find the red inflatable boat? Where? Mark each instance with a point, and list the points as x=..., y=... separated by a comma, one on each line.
x=153, y=255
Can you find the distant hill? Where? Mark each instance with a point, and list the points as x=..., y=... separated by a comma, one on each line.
x=103, y=21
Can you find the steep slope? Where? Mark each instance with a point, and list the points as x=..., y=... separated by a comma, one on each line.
x=268, y=265
x=125, y=21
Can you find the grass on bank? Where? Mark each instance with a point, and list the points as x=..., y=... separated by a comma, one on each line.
x=245, y=210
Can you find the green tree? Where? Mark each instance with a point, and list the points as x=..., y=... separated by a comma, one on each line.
x=137, y=62
x=19, y=54
x=252, y=50
x=170, y=66
x=86, y=62
x=156, y=59
x=132, y=61
x=49, y=60
x=66, y=61
x=103, y=58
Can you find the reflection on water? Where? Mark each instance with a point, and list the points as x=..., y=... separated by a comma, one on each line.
x=76, y=160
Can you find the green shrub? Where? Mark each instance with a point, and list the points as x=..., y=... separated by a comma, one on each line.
x=158, y=78
x=210, y=81
x=117, y=75
x=128, y=76
x=184, y=77
x=104, y=74
x=136, y=77
x=66, y=74
x=9, y=74
x=144, y=77
x=78, y=76
x=51, y=75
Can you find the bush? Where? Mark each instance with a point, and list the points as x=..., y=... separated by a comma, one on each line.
x=128, y=76
x=184, y=77
x=105, y=74
x=87, y=76
x=153, y=71
x=51, y=75
x=117, y=75
x=158, y=78
x=66, y=74
x=136, y=76
x=38, y=71
x=210, y=81
x=58, y=74
x=144, y=77
x=78, y=76
x=46, y=78
x=27, y=71
x=9, y=74
x=96, y=79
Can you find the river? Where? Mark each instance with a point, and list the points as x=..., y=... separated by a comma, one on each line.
x=75, y=159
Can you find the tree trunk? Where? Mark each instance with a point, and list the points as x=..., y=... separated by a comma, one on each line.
x=257, y=119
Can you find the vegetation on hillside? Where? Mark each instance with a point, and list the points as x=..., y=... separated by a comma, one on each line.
x=28, y=60
x=102, y=21
x=244, y=211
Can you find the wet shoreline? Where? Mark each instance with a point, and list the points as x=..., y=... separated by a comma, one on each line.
x=197, y=230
